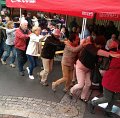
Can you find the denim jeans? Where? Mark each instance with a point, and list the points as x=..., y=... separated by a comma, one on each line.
x=33, y=63
x=22, y=59
x=1, y=48
x=10, y=48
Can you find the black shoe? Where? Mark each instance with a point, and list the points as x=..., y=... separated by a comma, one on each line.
x=44, y=83
x=108, y=114
x=91, y=107
x=70, y=95
x=22, y=73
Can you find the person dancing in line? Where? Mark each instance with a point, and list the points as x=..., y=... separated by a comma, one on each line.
x=21, y=41
x=33, y=49
x=52, y=44
x=111, y=88
x=10, y=32
x=85, y=63
x=68, y=60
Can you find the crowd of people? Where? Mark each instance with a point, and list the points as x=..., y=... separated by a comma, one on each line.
x=80, y=56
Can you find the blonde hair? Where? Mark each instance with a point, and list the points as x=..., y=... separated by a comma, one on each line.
x=9, y=24
x=34, y=28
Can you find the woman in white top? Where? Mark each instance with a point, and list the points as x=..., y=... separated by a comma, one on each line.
x=10, y=32
x=33, y=49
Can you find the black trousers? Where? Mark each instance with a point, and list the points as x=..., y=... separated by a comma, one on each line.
x=22, y=59
x=108, y=97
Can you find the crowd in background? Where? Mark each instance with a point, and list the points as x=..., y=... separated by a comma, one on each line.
x=81, y=54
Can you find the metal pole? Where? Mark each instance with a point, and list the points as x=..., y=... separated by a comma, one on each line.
x=20, y=13
x=66, y=19
x=83, y=27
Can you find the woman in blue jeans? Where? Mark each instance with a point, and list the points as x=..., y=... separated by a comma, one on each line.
x=10, y=31
x=33, y=49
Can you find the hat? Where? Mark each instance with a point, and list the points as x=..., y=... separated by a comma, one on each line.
x=56, y=32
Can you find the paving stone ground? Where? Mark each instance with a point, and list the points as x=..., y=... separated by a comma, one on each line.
x=23, y=107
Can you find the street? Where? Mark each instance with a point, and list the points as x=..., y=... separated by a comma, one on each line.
x=20, y=96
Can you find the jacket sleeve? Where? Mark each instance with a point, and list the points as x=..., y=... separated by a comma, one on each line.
x=21, y=35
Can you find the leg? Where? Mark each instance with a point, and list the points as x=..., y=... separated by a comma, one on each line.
x=32, y=64
x=69, y=79
x=20, y=58
x=107, y=97
x=13, y=55
x=8, y=50
x=80, y=79
x=51, y=64
x=1, y=48
x=86, y=87
x=45, y=72
x=112, y=102
x=65, y=71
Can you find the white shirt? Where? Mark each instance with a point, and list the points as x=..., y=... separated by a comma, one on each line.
x=34, y=47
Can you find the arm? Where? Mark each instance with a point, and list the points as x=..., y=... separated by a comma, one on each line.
x=10, y=30
x=107, y=54
x=74, y=49
x=103, y=53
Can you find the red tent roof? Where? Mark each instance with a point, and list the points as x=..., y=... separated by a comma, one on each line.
x=105, y=9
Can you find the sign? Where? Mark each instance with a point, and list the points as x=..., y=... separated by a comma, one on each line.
x=23, y=1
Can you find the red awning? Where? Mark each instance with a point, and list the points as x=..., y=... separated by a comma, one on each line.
x=104, y=9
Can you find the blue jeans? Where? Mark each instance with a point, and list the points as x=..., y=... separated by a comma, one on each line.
x=1, y=48
x=33, y=63
x=10, y=48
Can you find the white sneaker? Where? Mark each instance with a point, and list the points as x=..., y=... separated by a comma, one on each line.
x=31, y=77
x=28, y=70
x=3, y=62
x=12, y=65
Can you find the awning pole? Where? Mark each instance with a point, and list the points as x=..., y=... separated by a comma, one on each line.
x=83, y=27
x=66, y=19
x=20, y=13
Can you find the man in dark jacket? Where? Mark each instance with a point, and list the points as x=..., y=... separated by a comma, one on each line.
x=48, y=52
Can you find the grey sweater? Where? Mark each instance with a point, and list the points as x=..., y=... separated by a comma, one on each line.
x=10, y=36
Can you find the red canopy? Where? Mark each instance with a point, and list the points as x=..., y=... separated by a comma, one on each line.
x=104, y=9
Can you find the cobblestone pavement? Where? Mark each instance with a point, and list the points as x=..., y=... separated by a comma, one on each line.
x=19, y=107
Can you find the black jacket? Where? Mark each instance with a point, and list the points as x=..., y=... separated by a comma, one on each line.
x=51, y=45
x=1, y=35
